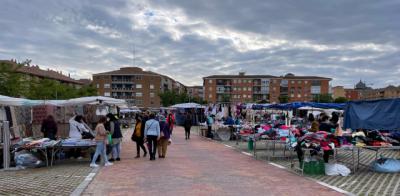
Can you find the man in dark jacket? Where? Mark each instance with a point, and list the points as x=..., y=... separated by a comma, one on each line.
x=188, y=125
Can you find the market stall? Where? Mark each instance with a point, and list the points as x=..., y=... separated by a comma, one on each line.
x=24, y=118
x=196, y=110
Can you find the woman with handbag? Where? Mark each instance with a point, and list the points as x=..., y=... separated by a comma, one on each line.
x=138, y=137
x=165, y=133
x=78, y=130
x=101, y=142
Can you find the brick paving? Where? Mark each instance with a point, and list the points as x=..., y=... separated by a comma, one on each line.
x=61, y=179
x=198, y=167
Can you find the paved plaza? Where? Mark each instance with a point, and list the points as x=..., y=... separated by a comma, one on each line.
x=198, y=167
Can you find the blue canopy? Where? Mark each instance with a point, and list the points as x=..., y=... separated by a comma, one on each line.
x=376, y=114
x=297, y=105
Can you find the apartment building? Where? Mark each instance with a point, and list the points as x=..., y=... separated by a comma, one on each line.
x=195, y=92
x=138, y=87
x=244, y=88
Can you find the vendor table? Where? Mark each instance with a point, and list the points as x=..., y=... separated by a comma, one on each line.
x=271, y=147
x=61, y=148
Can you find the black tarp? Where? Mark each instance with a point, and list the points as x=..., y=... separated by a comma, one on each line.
x=376, y=114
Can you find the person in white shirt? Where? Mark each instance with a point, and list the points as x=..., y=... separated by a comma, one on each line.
x=76, y=127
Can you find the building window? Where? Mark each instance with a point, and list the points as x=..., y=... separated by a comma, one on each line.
x=139, y=94
x=234, y=81
x=138, y=86
x=97, y=85
x=210, y=96
x=299, y=82
x=106, y=85
x=151, y=86
x=306, y=82
x=249, y=89
x=238, y=96
x=249, y=96
x=299, y=96
x=151, y=95
x=239, y=81
x=291, y=95
x=244, y=96
x=292, y=81
x=210, y=81
x=210, y=88
x=138, y=77
x=234, y=88
x=107, y=94
x=249, y=81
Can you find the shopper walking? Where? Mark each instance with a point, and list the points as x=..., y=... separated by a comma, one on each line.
x=49, y=128
x=165, y=133
x=138, y=137
x=114, y=127
x=188, y=125
x=152, y=134
x=101, y=141
x=171, y=121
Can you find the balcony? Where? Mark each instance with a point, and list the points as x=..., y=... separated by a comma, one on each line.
x=122, y=81
x=122, y=89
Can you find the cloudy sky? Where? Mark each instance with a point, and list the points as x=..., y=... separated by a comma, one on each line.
x=346, y=40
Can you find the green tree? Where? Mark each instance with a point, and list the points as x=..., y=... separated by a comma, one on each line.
x=341, y=100
x=262, y=101
x=12, y=83
x=283, y=99
x=169, y=98
x=323, y=98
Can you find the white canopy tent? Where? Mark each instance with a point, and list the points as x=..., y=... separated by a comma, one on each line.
x=187, y=105
x=130, y=110
x=11, y=101
x=94, y=100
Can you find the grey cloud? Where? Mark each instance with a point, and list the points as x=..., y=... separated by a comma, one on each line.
x=56, y=33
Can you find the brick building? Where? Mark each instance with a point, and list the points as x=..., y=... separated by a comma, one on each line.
x=244, y=88
x=352, y=94
x=138, y=87
x=195, y=92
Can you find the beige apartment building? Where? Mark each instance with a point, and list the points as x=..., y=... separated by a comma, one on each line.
x=244, y=88
x=138, y=87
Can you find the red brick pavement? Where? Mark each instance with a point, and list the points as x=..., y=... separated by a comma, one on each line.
x=198, y=167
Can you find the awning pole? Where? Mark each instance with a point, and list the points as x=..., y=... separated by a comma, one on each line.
x=6, y=145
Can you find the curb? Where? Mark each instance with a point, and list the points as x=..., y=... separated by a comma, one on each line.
x=83, y=185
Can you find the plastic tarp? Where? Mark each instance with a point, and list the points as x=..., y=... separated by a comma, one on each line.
x=11, y=101
x=94, y=100
x=377, y=114
x=129, y=110
x=260, y=106
x=187, y=105
x=297, y=105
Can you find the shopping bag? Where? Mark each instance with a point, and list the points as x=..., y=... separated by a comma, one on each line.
x=109, y=138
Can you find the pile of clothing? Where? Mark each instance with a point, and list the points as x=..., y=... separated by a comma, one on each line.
x=41, y=143
x=77, y=142
x=374, y=138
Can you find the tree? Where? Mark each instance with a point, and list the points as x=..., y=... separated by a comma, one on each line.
x=341, y=100
x=323, y=98
x=169, y=98
x=12, y=83
x=262, y=101
x=283, y=99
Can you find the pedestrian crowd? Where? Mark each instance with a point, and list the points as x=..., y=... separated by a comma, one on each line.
x=151, y=133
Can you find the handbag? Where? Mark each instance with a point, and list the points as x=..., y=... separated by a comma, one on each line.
x=85, y=135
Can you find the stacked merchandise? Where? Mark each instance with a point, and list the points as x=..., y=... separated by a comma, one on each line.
x=375, y=138
x=77, y=142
